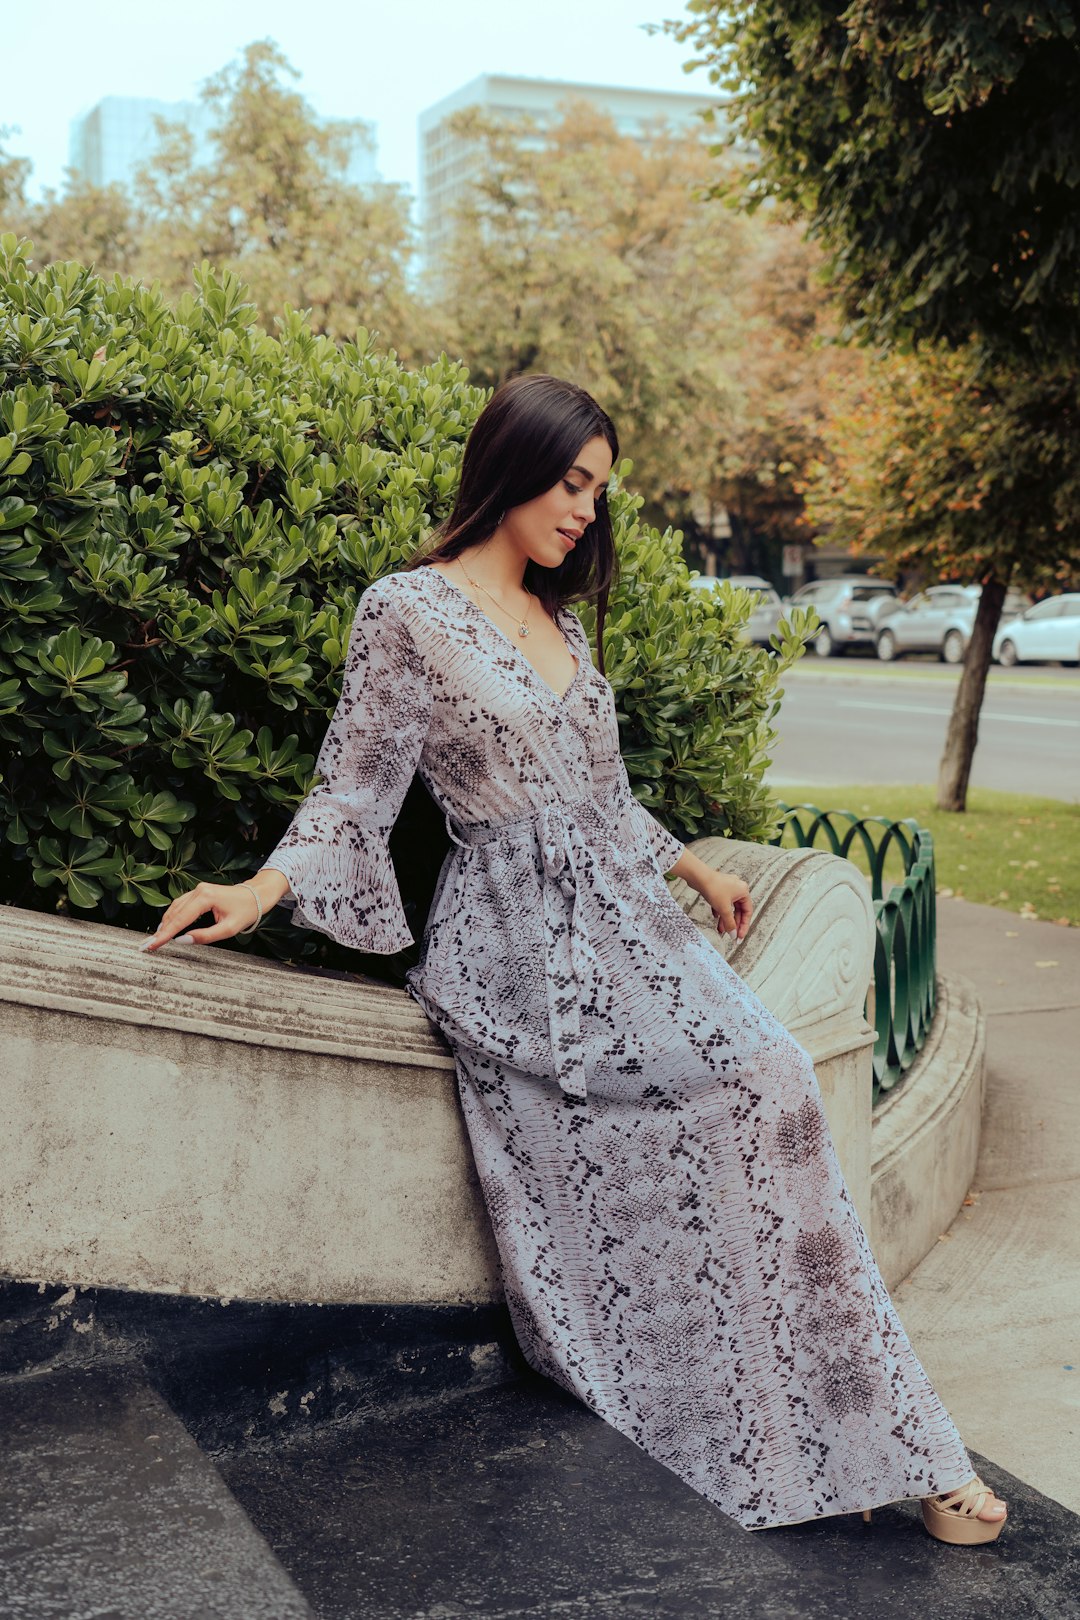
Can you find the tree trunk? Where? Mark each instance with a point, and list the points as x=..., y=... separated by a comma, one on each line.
x=963, y=732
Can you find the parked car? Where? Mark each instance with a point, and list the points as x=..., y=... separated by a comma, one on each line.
x=1048, y=631
x=938, y=620
x=848, y=607
x=768, y=610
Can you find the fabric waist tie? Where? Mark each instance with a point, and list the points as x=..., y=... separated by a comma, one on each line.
x=570, y=961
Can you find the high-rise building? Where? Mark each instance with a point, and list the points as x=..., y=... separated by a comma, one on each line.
x=115, y=138
x=449, y=163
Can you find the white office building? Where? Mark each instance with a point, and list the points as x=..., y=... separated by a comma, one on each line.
x=117, y=136
x=449, y=163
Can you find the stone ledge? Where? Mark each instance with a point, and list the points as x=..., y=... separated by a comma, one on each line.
x=215, y=1125
x=68, y=965
x=926, y=1134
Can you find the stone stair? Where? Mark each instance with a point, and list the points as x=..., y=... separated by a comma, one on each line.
x=108, y=1508
x=515, y=1503
x=175, y=1460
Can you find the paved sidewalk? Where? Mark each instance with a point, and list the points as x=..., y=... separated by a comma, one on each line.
x=994, y=1309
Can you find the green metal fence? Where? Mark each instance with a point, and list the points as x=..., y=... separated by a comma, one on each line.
x=901, y=1002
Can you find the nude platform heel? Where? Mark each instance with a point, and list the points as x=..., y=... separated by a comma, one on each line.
x=953, y=1517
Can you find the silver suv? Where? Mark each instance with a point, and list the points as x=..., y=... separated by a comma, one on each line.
x=848, y=607
x=940, y=619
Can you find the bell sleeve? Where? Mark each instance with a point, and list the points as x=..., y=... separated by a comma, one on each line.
x=335, y=853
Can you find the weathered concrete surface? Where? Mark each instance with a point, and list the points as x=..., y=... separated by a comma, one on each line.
x=926, y=1133
x=203, y=1123
x=518, y=1504
x=108, y=1508
x=994, y=1308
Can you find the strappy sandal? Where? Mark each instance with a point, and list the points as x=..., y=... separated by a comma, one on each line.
x=954, y=1517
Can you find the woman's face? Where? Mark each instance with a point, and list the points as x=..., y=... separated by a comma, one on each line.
x=546, y=527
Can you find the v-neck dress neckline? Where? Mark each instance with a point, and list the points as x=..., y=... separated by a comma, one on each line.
x=557, y=697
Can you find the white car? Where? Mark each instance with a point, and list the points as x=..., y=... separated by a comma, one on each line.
x=848, y=606
x=1048, y=631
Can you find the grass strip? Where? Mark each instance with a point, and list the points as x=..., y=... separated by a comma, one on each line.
x=1008, y=849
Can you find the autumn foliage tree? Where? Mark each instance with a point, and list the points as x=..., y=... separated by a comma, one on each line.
x=585, y=252
x=962, y=470
x=786, y=367
x=934, y=153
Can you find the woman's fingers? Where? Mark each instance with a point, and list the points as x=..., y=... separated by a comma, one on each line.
x=231, y=906
x=726, y=918
x=225, y=929
x=180, y=915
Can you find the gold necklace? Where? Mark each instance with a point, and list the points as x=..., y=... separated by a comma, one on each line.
x=522, y=624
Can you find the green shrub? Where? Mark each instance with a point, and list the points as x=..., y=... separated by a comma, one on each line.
x=189, y=509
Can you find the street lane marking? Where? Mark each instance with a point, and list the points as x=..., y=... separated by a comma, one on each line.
x=986, y=714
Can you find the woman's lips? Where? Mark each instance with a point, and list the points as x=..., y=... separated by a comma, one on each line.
x=571, y=539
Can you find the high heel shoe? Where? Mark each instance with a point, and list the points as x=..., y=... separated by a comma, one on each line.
x=954, y=1517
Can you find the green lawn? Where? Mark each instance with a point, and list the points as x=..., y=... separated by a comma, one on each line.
x=1007, y=850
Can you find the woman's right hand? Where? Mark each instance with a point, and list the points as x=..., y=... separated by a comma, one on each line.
x=233, y=906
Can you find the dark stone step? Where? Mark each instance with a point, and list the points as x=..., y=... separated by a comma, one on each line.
x=517, y=1502
x=245, y=1370
x=401, y=1462
x=109, y=1511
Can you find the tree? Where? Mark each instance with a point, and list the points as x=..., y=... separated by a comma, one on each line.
x=582, y=251
x=13, y=177
x=786, y=366
x=963, y=470
x=98, y=225
x=933, y=150
x=934, y=154
x=275, y=205
x=273, y=201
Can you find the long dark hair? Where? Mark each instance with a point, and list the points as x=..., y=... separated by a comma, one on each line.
x=524, y=440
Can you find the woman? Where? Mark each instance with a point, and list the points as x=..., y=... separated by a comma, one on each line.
x=678, y=1245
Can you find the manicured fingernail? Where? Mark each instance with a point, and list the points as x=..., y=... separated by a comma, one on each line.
x=146, y=944
x=184, y=939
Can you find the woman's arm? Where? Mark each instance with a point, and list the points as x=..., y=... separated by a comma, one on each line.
x=728, y=895
x=334, y=857
x=235, y=906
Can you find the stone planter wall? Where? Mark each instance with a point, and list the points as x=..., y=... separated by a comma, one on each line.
x=203, y=1123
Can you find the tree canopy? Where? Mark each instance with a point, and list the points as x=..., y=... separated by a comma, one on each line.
x=272, y=202
x=582, y=250
x=934, y=151
x=963, y=469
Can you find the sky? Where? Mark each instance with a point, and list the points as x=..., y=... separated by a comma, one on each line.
x=384, y=60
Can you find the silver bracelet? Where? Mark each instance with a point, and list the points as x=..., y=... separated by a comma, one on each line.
x=258, y=903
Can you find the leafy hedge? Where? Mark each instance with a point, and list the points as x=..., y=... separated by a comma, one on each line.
x=189, y=509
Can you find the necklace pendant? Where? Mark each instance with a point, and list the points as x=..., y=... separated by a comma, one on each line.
x=523, y=628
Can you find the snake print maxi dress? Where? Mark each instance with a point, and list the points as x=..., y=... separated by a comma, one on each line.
x=678, y=1245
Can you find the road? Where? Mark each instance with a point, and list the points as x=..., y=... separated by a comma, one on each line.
x=855, y=720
